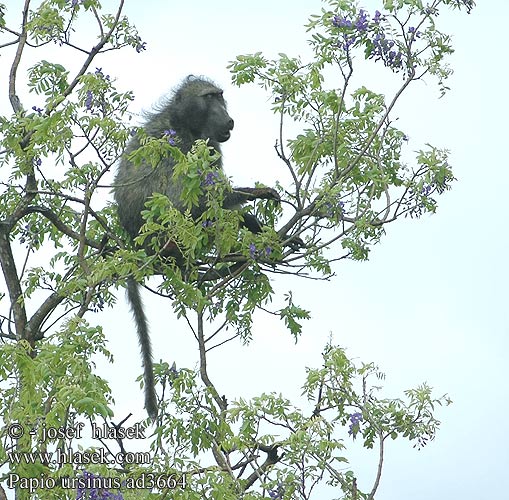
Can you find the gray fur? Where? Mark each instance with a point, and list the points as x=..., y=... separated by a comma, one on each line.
x=196, y=110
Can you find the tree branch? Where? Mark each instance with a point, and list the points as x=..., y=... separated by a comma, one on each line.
x=64, y=229
x=13, y=284
x=95, y=50
x=272, y=458
x=221, y=402
x=379, y=471
x=13, y=97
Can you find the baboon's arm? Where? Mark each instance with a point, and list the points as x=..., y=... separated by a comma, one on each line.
x=241, y=195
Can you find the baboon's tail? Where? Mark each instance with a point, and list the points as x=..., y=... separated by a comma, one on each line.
x=134, y=297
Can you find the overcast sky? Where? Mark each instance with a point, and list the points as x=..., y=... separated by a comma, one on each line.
x=430, y=304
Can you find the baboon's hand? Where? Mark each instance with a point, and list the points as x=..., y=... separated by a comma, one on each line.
x=267, y=193
x=258, y=193
x=296, y=243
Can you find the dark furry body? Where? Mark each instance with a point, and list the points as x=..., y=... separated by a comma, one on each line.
x=197, y=110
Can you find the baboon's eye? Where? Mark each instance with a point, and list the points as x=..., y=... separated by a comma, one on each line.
x=214, y=95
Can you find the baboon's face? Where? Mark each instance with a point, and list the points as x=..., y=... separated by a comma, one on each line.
x=219, y=123
x=208, y=116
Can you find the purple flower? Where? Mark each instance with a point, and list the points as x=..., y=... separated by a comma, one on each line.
x=140, y=46
x=355, y=420
x=426, y=190
x=356, y=417
x=99, y=72
x=414, y=32
x=252, y=250
x=171, y=134
x=277, y=494
x=210, y=178
x=341, y=22
x=362, y=21
x=37, y=110
x=348, y=42
x=377, y=17
x=173, y=370
x=383, y=50
x=89, y=100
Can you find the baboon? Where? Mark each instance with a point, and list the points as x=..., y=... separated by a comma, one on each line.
x=196, y=110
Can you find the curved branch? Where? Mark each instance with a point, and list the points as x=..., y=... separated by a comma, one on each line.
x=221, y=402
x=13, y=98
x=47, y=307
x=272, y=458
x=95, y=50
x=53, y=218
x=371, y=496
x=13, y=284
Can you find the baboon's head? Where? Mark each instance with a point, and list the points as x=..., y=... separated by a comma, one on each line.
x=200, y=109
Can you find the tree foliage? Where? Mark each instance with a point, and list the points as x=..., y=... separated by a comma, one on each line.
x=64, y=254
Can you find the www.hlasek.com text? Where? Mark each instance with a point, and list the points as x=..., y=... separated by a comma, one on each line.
x=68, y=456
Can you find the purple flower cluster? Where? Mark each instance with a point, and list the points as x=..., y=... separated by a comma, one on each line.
x=360, y=24
x=89, y=100
x=332, y=209
x=99, y=101
x=254, y=252
x=277, y=493
x=170, y=135
x=341, y=22
x=37, y=110
x=381, y=47
x=426, y=190
x=385, y=49
x=99, y=72
x=173, y=372
x=414, y=32
x=140, y=46
x=355, y=420
x=352, y=28
x=211, y=178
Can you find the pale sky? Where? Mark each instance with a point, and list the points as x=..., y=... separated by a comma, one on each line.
x=430, y=304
